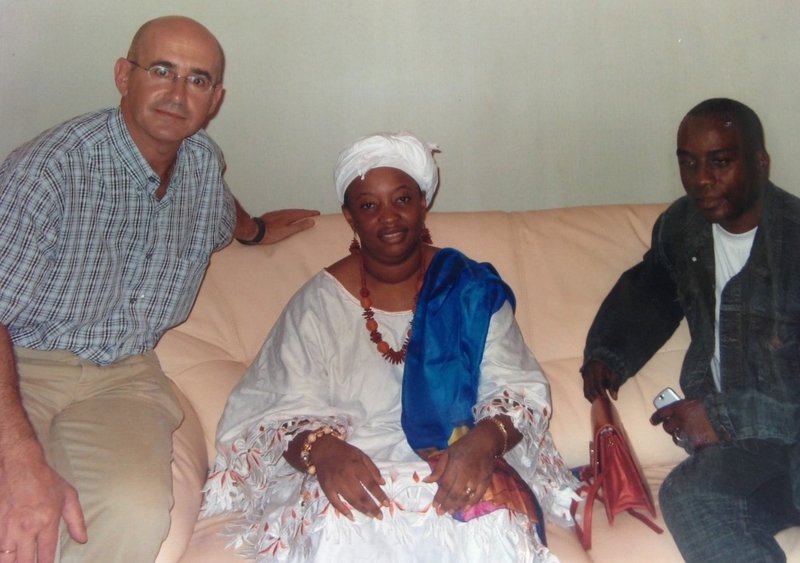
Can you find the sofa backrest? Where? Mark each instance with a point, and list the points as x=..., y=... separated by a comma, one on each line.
x=560, y=263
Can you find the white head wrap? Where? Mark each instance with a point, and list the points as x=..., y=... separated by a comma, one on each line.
x=395, y=150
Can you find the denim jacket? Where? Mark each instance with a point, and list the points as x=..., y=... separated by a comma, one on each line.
x=759, y=320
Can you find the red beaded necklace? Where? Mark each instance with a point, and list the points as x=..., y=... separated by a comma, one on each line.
x=389, y=354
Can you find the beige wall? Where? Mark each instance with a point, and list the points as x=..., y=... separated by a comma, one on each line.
x=534, y=103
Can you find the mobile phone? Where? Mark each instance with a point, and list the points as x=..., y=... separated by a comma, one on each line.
x=666, y=397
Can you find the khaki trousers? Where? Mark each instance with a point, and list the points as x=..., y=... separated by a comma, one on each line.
x=107, y=430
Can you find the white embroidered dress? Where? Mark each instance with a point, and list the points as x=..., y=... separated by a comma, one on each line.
x=317, y=368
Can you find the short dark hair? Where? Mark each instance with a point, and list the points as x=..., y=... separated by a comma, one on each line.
x=744, y=118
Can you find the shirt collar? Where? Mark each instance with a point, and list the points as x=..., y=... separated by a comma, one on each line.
x=132, y=158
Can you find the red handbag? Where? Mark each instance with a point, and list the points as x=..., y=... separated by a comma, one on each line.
x=614, y=476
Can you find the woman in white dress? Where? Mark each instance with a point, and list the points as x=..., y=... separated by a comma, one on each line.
x=353, y=437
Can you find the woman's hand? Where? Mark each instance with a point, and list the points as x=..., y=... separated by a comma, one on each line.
x=464, y=470
x=348, y=477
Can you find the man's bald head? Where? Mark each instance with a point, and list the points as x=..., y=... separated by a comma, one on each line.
x=174, y=24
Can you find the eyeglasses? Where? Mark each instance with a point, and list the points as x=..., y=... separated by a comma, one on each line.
x=164, y=74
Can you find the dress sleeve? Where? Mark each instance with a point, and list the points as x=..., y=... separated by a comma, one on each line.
x=284, y=392
x=512, y=383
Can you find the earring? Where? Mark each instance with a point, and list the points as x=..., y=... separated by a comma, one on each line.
x=425, y=236
x=355, y=247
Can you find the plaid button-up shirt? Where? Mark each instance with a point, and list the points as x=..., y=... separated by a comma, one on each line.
x=90, y=260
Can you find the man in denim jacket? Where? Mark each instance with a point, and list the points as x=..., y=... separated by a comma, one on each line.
x=727, y=258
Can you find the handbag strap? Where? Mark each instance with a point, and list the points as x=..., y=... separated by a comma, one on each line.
x=584, y=532
x=592, y=488
x=644, y=519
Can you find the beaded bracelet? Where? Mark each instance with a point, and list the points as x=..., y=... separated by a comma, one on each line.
x=503, y=431
x=308, y=443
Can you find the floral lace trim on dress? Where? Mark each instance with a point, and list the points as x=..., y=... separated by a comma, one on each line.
x=284, y=509
x=244, y=467
x=551, y=481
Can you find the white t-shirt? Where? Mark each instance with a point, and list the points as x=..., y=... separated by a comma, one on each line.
x=731, y=252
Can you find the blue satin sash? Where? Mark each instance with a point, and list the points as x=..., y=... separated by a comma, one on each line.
x=442, y=366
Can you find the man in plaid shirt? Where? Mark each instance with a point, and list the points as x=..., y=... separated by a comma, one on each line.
x=107, y=223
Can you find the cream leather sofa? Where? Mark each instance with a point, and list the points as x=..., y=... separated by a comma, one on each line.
x=560, y=263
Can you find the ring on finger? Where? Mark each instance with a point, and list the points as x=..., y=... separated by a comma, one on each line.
x=468, y=491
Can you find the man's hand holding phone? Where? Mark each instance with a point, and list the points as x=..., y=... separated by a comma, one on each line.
x=666, y=397
x=684, y=419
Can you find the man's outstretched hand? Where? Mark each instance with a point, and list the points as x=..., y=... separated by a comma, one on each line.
x=283, y=223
